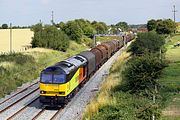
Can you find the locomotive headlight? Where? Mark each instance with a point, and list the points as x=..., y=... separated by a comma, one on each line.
x=42, y=92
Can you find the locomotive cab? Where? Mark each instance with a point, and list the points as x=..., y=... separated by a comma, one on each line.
x=58, y=82
x=52, y=81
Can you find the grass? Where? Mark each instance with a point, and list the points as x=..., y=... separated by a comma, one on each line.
x=20, y=39
x=106, y=38
x=178, y=27
x=19, y=68
x=172, y=53
x=171, y=81
x=104, y=97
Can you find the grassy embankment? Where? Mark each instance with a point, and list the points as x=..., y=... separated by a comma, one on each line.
x=108, y=102
x=178, y=27
x=106, y=38
x=171, y=80
x=19, y=68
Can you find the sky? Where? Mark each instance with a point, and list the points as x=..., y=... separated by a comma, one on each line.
x=29, y=12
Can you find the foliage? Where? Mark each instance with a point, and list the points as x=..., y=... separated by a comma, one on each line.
x=146, y=111
x=79, y=29
x=142, y=73
x=49, y=37
x=100, y=27
x=151, y=25
x=166, y=26
x=123, y=26
x=73, y=30
x=86, y=27
x=4, y=26
x=149, y=41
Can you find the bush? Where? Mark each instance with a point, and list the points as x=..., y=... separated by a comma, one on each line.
x=4, y=26
x=141, y=73
x=149, y=41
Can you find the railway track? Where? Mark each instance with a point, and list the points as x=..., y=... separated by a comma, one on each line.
x=42, y=113
x=56, y=114
x=39, y=114
x=23, y=90
x=10, y=105
x=19, y=111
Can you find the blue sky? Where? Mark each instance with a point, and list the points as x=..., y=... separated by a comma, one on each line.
x=28, y=12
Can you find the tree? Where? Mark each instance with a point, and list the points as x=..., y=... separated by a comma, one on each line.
x=49, y=37
x=86, y=27
x=4, y=26
x=123, y=26
x=149, y=41
x=61, y=25
x=73, y=30
x=151, y=25
x=166, y=26
x=100, y=27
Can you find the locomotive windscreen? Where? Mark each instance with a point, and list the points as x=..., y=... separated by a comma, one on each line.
x=52, y=78
x=46, y=78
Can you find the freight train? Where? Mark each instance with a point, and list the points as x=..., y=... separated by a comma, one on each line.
x=60, y=82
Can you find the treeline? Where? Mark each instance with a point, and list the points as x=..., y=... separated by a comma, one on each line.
x=57, y=36
x=79, y=28
x=5, y=26
x=166, y=26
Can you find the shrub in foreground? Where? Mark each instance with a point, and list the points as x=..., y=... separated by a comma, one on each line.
x=141, y=73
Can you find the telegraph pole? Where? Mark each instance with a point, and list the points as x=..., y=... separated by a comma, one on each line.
x=40, y=21
x=52, y=15
x=174, y=11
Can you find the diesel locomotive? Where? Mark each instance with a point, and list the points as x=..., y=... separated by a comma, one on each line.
x=60, y=82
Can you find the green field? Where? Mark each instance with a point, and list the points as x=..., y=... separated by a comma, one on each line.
x=171, y=79
x=178, y=27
